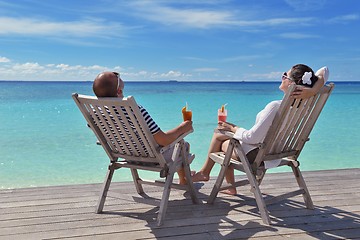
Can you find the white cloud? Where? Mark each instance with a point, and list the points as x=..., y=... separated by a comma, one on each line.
x=263, y=76
x=274, y=22
x=306, y=5
x=195, y=59
x=171, y=74
x=206, y=70
x=28, y=67
x=185, y=17
x=34, y=71
x=135, y=75
x=4, y=59
x=297, y=36
x=242, y=58
x=344, y=18
x=39, y=27
x=203, y=18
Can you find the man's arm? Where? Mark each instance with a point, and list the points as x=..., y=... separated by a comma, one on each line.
x=165, y=138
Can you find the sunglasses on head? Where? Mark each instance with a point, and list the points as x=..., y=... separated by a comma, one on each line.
x=118, y=77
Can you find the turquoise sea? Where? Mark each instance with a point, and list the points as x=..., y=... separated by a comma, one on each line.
x=44, y=139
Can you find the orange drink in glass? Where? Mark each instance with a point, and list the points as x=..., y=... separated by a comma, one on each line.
x=187, y=114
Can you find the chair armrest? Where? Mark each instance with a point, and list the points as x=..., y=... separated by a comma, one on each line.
x=231, y=135
x=163, y=149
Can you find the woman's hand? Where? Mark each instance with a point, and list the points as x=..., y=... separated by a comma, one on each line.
x=226, y=126
x=303, y=92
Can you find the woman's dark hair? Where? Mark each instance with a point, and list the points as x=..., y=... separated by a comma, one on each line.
x=297, y=73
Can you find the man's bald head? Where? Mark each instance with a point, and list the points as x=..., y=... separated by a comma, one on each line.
x=106, y=85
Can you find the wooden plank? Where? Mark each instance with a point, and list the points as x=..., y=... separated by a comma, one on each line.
x=67, y=212
x=233, y=224
x=333, y=176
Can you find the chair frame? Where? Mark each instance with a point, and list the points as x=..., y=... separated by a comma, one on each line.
x=123, y=133
x=285, y=140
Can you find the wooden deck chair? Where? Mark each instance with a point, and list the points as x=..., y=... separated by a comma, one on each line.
x=123, y=133
x=283, y=143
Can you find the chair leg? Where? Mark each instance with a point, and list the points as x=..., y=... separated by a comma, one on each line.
x=190, y=184
x=301, y=182
x=136, y=178
x=165, y=195
x=105, y=188
x=259, y=199
x=254, y=185
x=217, y=185
x=222, y=172
x=260, y=173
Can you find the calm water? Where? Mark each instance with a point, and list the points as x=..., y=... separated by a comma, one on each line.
x=44, y=139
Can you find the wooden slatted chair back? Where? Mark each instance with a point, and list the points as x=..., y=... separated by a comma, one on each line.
x=120, y=128
x=292, y=125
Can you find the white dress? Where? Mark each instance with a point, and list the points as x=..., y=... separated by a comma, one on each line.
x=250, y=139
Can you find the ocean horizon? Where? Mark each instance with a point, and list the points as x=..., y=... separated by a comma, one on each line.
x=44, y=139
x=169, y=81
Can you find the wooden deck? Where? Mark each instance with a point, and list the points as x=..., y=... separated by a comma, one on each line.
x=68, y=212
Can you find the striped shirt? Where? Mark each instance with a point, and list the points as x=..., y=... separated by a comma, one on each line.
x=154, y=128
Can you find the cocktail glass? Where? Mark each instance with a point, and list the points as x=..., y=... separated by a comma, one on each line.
x=222, y=115
x=187, y=115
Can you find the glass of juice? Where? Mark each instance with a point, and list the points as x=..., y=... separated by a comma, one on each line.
x=222, y=114
x=187, y=114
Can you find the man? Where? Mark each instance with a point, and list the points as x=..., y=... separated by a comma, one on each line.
x=109, y=84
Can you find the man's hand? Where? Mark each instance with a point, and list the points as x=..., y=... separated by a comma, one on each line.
x=186, y=126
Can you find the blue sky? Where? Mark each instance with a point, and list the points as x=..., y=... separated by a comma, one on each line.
x=185, y=40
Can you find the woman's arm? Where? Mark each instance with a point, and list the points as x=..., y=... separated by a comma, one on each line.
x=257, y=133
x=264, y=119
x=304, y=92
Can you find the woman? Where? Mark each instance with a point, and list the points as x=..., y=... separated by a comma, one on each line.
x=299, y=74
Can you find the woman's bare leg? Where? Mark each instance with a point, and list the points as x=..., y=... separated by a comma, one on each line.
x=215, y=146
x=230, y=178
